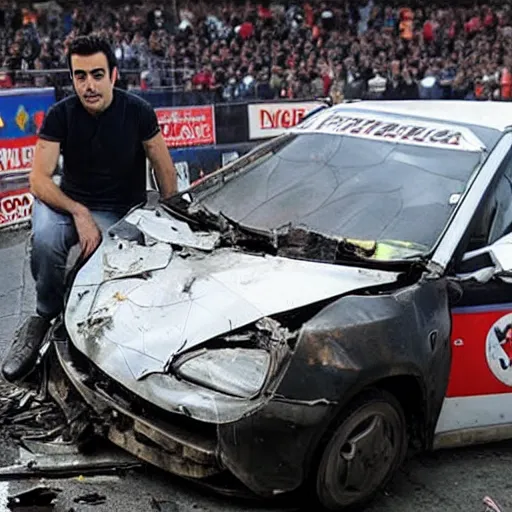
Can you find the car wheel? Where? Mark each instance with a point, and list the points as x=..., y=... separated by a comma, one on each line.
x=367, y=446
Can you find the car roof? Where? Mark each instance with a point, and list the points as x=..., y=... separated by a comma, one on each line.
x=488, y=114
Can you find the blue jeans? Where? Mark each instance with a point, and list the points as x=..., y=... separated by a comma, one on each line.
x=53, y=236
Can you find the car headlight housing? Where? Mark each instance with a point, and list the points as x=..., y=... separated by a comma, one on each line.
x=238, y=372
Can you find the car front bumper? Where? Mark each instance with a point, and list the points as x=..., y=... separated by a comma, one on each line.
x=269, y=451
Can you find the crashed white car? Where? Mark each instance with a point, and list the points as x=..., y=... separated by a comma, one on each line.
x=309, y=313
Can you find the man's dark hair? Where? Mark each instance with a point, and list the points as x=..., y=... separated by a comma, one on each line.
x=89, y=45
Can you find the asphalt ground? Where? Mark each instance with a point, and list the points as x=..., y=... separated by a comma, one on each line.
x=454, y=480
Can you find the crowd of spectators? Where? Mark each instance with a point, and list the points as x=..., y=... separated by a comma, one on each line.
x=275, y=49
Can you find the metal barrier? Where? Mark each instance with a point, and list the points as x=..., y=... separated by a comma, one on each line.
x=59, y=78
x=165, y=82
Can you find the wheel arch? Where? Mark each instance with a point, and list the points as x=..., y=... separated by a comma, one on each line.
x=409, y=393
x=407, y=390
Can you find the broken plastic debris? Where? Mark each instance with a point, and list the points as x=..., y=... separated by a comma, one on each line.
x=276, y=331
x=40, y=496
x=91, y=499
x=27, y=413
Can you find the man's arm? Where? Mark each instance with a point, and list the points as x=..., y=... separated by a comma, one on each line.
x=41, y=183
x=160, y=158
x=43, y=187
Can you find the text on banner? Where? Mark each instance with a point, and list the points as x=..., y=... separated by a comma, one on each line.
x=271, y=119
x=187, y=126
x=15, y=207
x=17, y=154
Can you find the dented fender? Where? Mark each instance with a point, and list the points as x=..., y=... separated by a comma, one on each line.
x=359, y=340
x=267, y=450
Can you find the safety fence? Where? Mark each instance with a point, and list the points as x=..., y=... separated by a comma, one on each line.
x=152, y=77
x=177, y=83
x=201, y=138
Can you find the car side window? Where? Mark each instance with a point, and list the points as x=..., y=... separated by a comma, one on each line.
x=502, y=220
x=495, y=219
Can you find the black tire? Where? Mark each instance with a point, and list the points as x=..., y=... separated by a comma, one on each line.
x=366, y=447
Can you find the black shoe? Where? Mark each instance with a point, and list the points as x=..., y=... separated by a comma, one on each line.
x=24, y=350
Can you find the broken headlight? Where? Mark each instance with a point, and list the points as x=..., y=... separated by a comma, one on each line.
x=238, y=372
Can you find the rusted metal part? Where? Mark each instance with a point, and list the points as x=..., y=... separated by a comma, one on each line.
x=81, y=423
x=306, y=244
x=294, y=242
x=155, y=435
x=319, y=350
x=158, y=456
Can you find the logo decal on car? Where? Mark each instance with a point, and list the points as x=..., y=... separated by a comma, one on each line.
x=498, y=349
x=389, y=129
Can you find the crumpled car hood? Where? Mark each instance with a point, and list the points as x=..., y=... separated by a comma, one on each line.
x=132, y=308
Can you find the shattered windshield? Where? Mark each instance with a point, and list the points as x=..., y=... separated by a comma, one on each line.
x=391, y=199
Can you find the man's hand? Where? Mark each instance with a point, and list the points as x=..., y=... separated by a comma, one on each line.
x=88, y=232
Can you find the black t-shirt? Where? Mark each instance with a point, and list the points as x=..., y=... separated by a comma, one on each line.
x=104, y=159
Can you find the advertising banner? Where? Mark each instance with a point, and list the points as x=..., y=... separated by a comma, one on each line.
x=16, y=154
x=15, y=207
x=21, y=115
x=187, y=126
x=271, y=119
x=22, y=112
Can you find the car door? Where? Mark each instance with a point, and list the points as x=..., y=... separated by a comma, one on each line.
x=479, y=393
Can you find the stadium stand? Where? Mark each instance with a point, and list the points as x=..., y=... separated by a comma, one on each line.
x=283, y=49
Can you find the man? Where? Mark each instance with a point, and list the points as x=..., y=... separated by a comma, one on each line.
x=104, y=135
